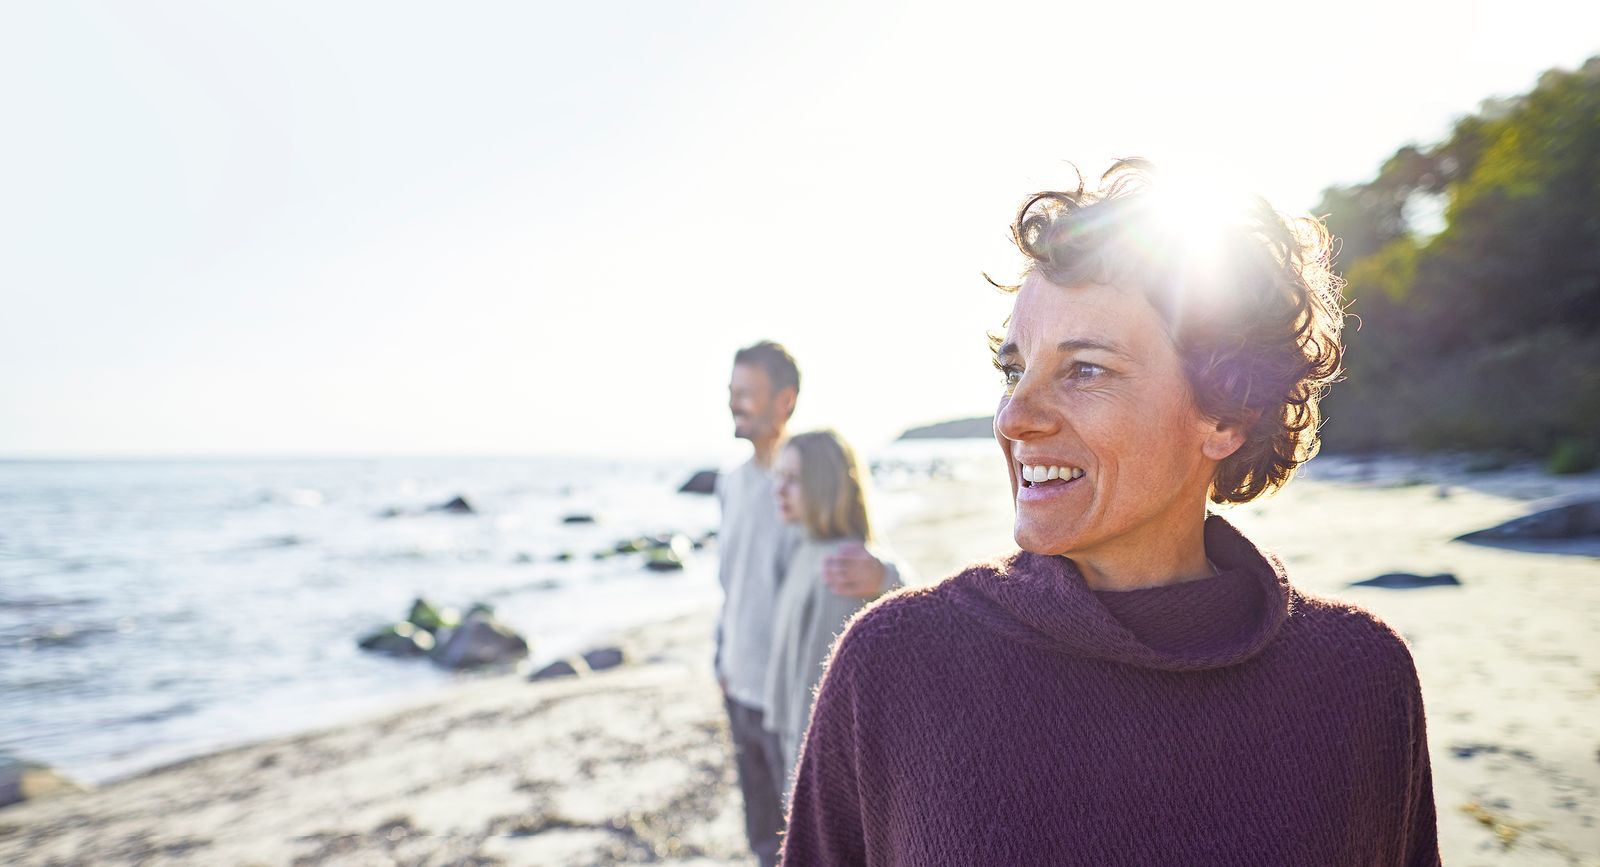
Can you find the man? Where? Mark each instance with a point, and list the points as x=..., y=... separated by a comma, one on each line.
x=755, y=544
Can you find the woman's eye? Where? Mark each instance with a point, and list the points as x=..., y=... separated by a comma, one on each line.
x=1085, y=370
x=1013, y=376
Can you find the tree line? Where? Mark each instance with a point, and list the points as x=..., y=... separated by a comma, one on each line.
x=1473, y=269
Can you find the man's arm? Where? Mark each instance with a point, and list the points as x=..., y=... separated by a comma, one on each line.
x=719, y=489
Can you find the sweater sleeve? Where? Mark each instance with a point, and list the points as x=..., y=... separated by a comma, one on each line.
x=1421, y=823
x=825, y=824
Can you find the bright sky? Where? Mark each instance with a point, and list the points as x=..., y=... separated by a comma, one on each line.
x=516, y=228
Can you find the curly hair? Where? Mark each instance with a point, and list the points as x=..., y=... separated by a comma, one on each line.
x=1255, y=318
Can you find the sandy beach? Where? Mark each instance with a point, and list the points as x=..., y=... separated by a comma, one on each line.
x=632, y=765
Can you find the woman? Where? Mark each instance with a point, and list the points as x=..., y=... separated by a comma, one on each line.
x=820, y=489
x=1139, y=684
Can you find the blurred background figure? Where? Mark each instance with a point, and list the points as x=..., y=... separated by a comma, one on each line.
x=755, y=543
x=822, y=489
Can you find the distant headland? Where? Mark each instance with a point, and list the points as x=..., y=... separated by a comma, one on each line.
x=981, y=427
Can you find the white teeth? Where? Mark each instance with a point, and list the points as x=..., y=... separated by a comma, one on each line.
x=1035, y=475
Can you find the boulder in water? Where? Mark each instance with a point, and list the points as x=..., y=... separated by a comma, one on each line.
x=1408, y=581
x=560, y=668
x=602, y=658
x=457, y=506
x=26, y=781
x=668, y=553
x=702, y=482
x=578, y=518
x=663, y=560
x=401, y=639
x=480, y=640
x=1554, y=520
x=631, y=546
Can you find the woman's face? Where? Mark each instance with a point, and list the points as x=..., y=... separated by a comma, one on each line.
x=1096, y=396
x=791, y=502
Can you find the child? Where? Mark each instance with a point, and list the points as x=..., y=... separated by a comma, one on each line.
x=822, y=490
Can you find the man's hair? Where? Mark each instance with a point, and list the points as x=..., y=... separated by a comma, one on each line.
x=833, y=486
x=1248, y=299
x=775, y=360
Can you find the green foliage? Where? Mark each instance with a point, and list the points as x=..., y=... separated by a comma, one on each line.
x=1481, y=335
x=1574, y=456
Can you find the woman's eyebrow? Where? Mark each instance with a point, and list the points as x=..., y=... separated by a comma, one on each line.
x=1076, y=344
x=1079, y=344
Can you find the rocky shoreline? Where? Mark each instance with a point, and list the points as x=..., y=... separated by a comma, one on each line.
x=631, y=764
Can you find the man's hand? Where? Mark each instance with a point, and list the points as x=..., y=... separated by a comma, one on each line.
x=852, y=571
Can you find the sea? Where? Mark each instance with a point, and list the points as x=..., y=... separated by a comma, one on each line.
x=153, y=610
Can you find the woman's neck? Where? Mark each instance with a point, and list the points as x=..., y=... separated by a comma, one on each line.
x=1152, y=559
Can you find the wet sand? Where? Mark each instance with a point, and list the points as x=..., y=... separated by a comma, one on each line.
x=631, y=765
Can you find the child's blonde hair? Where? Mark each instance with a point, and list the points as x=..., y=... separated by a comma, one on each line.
x=833, y=485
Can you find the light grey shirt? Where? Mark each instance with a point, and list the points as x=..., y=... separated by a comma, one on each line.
x=754, y=543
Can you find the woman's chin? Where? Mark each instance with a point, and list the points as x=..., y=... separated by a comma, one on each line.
x=1035, y=540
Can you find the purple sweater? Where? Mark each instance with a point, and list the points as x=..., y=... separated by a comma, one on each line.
x=1011, y=716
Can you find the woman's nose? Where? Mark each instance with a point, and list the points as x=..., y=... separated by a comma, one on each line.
x=1026, y=414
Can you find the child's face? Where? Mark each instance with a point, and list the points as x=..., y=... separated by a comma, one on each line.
x=791, y=503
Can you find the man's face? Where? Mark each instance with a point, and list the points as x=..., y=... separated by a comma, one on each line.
x=1096, y=390
x=757, y=411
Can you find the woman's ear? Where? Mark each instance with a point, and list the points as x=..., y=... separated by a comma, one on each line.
x=1223, y=438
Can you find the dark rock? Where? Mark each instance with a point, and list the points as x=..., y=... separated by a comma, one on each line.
x=703, y=482
x=26, y=781
x=602, y=658
x=668, y=553
x=631, y=546
x=564, y=557
x=458, y=506
x=1553, y=520
x=1467, y=751
x=560, y=668
x=1408, y=581
x=480, y=640
x=663, y=560
x=63, y=635
x=401, y=639
x=578, y=518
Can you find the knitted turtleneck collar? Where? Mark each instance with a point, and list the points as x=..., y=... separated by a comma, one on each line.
x=1211, y=623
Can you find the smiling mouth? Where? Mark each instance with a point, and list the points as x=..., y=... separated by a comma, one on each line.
x=1042, y=476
